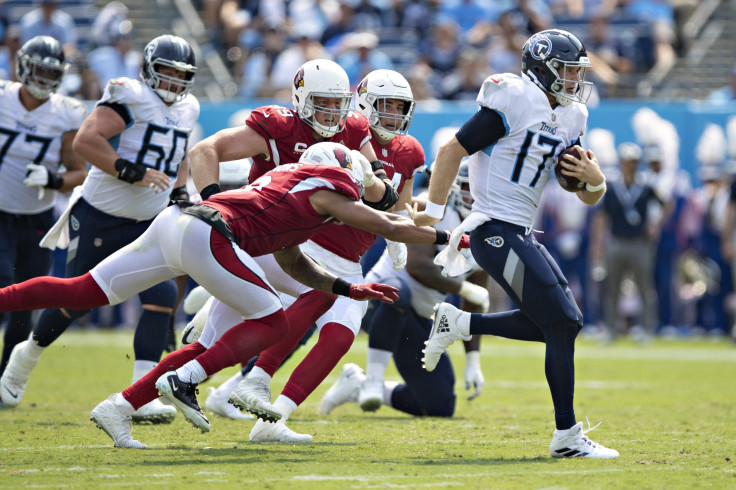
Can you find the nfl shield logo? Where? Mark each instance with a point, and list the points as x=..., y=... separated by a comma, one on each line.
x=98, y=242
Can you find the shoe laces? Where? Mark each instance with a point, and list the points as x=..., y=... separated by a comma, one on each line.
x=589, y=429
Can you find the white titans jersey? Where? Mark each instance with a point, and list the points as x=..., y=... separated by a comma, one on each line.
x=31, y=136
x=156, y=136
x=507, y=178
x=423, y=298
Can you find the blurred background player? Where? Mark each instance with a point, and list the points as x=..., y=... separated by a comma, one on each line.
x=625, y=232
x=523, y=122
x=385, y=99
x=38, y=128
x=136, y=140
x=400, y=330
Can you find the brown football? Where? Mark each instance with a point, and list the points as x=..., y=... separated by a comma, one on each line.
x=567, y=182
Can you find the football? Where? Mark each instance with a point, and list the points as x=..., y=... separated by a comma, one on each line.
x=567, y=182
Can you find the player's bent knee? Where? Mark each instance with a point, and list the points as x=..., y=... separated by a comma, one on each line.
x=73, y=314
x=446, y=407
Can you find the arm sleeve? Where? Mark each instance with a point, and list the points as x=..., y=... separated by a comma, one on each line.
x=482, y=130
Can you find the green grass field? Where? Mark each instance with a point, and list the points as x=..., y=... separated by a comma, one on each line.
x=669, y=408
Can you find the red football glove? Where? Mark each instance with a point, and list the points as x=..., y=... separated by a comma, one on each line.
x=464, y=242
x=374, y=290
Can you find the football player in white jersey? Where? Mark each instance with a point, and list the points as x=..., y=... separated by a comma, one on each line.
x=136, y=140
x=37, y=128
x=523, y=124
x=399, y=331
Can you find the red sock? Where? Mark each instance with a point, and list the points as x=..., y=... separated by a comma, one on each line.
x=301, y=314
x=243, y=341
x=334, y=342
x=75, y=293
x=144, y=391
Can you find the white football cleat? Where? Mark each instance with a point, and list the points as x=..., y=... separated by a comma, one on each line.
x=219, y=405
x=16, y=374
x=345, y=389
x=277, y=432
x=154, y=412
x=116, y=424
x=370, y=398
x=577, y=444
x=445, y=331
x=253, y=395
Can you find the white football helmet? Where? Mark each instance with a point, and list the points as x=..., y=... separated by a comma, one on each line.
x=234, y=174
x=372, y=93
x=334, y=155
x=460, y=197
x=322, y=78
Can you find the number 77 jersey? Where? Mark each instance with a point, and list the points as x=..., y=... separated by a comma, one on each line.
x=155, y=135
x=507, y=178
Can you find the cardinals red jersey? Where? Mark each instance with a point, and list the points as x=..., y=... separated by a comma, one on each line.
x=274, y=211
x=403, y=158
x=288, y=136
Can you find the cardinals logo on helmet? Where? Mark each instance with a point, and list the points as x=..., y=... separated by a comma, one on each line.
x=343, y=158
x=363, y=87
x=541, y=47
x=299, y=78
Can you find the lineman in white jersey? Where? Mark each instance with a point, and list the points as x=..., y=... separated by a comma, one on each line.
x=136, y=140
x=522, y=125
x=37, y=128
x=399, y=331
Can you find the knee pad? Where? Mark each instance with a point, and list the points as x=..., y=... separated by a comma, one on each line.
x=442, y=406
x=568, y=308
x=162, y=294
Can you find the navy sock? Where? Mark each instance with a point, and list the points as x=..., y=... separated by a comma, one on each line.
x=16, y=331
x=51, y=324
x=508, y=324
x=151, y=335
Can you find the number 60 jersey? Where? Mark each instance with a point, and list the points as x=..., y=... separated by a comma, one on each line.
x=507, y=178
x=155, y=135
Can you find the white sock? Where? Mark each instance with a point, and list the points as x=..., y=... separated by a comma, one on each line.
x=33, y=350
x=285, y=405
x=257, y=372
x=376, y=363
x=566, y=432
x=192, y=372
x=225, y=388
x=388, y=389
x=141, y=368
x=124, y=404
x=463, y=323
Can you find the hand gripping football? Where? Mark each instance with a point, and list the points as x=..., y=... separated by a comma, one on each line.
x=568, y=182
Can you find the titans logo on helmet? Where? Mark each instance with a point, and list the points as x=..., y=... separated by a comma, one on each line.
x=299, y=78
x=541, y=47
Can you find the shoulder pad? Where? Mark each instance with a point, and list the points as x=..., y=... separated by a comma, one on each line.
x=5, y=84
x=74, y=104
x=498, y=82
x=116, y=87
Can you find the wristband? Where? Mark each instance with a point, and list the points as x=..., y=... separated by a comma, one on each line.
x=436, y=211
x=56, y=181
x=179, y=194
x=403, y=213
x=341, y=287
x=209, y=191
x=595, y=188
x=130, y=172
x=376, y=165
x=443, y=237
x=472, y=358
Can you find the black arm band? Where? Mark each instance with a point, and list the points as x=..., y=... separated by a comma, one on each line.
x=130, y=172
x=209, y=191
x=179, y=194
x=56, y=181
x=443, y=237
x=483, y=129
x=390, y=197
x=376, y=165
x=341, y=287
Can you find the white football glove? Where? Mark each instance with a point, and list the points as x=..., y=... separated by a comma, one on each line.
x=398, y=253
x=478, y=295
x=195, y=300
x=367, y=177
x=37, y=176
x=194, y=328
x=473, y=375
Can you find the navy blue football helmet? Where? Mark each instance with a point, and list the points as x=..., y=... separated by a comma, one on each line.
x=553, y=58
x=40, y=66
x=174, y=52
x=460, y=197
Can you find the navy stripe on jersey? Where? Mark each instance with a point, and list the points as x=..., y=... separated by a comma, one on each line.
x=122, y=111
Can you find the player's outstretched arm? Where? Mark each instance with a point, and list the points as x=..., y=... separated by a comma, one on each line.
x=358, y=215
x=223, y=146
x=305, y=270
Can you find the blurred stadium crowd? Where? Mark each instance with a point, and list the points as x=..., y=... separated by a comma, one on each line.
x=445, y=49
